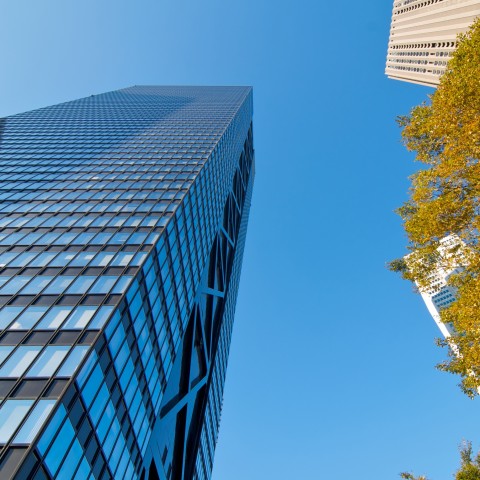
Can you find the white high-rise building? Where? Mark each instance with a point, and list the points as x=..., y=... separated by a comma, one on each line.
x=438, y=294
x=423, y=36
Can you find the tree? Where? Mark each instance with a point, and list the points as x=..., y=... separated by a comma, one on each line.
x=469, y=467
x=445, y=198
x=409, y=476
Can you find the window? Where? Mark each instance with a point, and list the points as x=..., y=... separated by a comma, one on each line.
x=59, y=285
x=104, y=284
x=120, y=238
x=11, y=415
x=83, y=238
x=72, y=361
x=117, y=221
x=149, y=221
x=7, y=314
x=79, y=318
x=43, y=259
x=101, y=238
x=21, y=359
x=139, y=258
x=122, y=284
x=36, y=285
x=4, y=352
x=62, y=259
x=6, y=258
x=122, y=259
x=102, y=259
x=48, y=361
x=15, y=285
x=100, y=318
x=81, y=284
x=34, y=422
x=54, y=318
x=137, y=238
x=28, y=318
x=59, y=446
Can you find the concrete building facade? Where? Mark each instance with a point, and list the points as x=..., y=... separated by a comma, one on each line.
x=423, y=36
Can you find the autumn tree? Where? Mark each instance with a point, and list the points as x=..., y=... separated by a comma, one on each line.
x=445, y=198
x=409, y=476
x=469, y=467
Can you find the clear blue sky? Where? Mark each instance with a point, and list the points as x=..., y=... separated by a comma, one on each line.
x=331, y=372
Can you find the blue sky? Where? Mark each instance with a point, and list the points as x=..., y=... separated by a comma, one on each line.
x=331, y=372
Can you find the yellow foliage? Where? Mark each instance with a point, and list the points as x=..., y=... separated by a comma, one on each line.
x=445, y=196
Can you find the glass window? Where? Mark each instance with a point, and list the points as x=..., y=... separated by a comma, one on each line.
x=102, y=259
x=19, y=222
x=122, y=259
x=66, y=238
x=4, y=352
x=100, y=222
x=51, y=222
x=79, y=318
x=87, y=368
x=100, y=318
x=137, y=238
x=48, y=361
x=21, y=359
x=59, y=285
x=11, y=239
x=101, y=238
x=36, y=285
x=23, y=259
x=71, y=461
x=43, y=259
x=149, y=221
x=122, y=284
x=15, y=285
x=99, y=404
x=83, y=471
x=59, y=446
x=68, y=221
x=82, y=259
x=73, y=361
x=54, y=318
x=134, y=221
x=48, y=238
x=28, y=318
x=104, y=284
x=34, y=422
x=84, y=222
x=83, y=238
x=62, y=259
x=29, y=239
x=81, y=284
x=6, y=220
x=152, y=238
x=117, y=221
x=6, y=258
x=105, y=420
x=7, y=314
x=119, y=238
x=139, y=258
x=11, y=415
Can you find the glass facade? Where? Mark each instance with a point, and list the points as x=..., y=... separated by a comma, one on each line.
x=122, y=225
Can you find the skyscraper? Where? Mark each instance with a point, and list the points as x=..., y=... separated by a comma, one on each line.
x=123, y=220
x=438, y=294
x=423, y=35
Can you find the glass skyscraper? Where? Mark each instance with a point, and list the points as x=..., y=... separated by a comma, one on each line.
x=123, y=219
